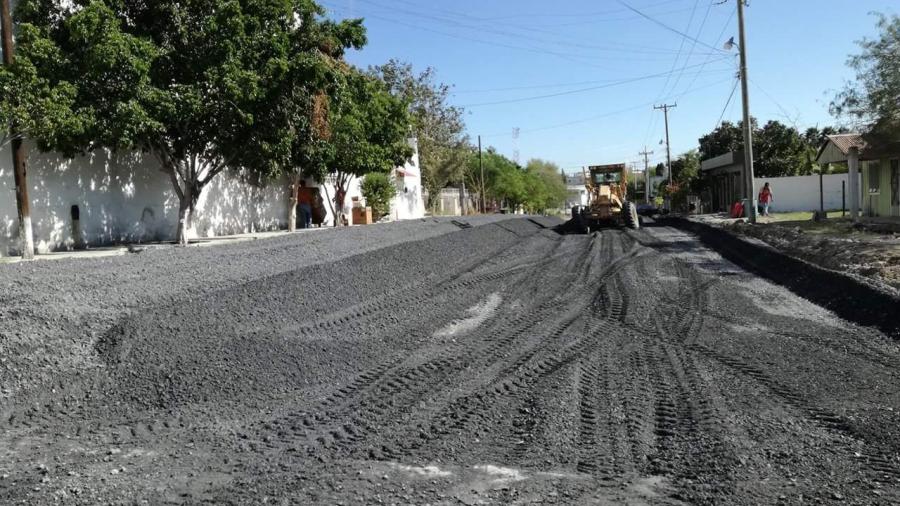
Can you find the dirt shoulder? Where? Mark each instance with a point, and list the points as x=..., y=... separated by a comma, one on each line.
x=870, y=250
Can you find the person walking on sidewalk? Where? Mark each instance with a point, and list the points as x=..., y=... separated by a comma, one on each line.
x=766, y=198
x=305, y=203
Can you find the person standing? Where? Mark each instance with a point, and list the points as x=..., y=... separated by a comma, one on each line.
x=305, y=203
x=766, y=198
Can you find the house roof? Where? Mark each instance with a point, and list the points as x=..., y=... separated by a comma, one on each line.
x=837, y=147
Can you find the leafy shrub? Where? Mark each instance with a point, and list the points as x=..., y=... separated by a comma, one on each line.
x=378, y=189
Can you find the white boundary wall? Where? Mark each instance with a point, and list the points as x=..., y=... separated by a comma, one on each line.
x=125, y=198
x=801, y=193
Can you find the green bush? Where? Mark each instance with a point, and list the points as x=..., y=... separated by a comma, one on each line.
x=378, y=189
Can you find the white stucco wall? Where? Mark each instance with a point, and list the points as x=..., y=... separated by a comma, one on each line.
x=801, y=193
x=409, y=204
x=125, y=198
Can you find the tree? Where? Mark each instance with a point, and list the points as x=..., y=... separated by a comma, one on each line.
x=443, y=146
x=378, y=189
x=873, y=98
x=544, y=189
x=726, y=138
x=36, y=105
x=502, y=181
x=184, y=81
x=779, y=150
x=293, y=121
x=369, y=133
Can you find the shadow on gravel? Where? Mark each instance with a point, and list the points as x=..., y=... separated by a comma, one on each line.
x=850, y=298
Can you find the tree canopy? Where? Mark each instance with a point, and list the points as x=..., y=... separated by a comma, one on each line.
x=439, y=126
x=872, y=99
x=202, y=85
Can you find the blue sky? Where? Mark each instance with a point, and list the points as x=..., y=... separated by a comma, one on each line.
x=599, y=67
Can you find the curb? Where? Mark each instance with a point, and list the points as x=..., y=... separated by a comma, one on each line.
x=847, y=296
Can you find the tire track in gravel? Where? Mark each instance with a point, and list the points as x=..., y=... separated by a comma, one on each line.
x=883, y=467
x=683, y=347
x=665, y=380
x=115, y=430
x=394, y=380
x=521, y=375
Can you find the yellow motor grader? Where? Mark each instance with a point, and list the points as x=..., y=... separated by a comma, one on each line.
x=607, y=187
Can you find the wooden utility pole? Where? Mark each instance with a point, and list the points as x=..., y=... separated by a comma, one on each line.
x=748, y=128
x=481, y=166
x=646, y=154
x=26, y=237
x=665, y=109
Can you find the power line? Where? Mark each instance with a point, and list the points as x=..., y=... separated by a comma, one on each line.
x=718, y=39
x=576, y=58
x=730, y=97
x=669, y=28
x=568, y=43
x=694, y=44
x=611, y=113
x=572, y=92
x=680, y=49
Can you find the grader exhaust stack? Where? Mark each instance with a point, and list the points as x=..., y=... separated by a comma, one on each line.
x=607, y=187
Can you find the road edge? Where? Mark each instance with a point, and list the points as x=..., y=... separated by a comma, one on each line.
x=852, y=299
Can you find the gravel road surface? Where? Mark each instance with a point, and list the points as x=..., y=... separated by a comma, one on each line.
x=494, y=361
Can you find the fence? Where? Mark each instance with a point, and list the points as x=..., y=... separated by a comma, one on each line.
x=801, y=193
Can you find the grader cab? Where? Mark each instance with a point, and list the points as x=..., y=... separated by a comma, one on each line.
x=607, y=187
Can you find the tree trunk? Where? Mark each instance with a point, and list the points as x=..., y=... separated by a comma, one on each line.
x=292, y=212
x=339, y=199
x=185, y=220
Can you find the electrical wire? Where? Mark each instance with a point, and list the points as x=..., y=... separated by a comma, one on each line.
x=694, y=44
x=727, y=103
x=608, y=114
x=669, y=28
x=572, y=92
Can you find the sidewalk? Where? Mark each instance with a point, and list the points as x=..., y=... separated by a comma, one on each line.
x=867, y=249
x=199, y=242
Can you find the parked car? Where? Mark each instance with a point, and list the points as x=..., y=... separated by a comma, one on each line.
x=647, y=209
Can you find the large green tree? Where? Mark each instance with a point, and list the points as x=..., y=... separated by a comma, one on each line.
x=503, y=179
x=293, y=131
x=189, y=81
x=872, y=99
x=370, y=130
x=439, y=127
x=34, y=104
x=725, y=138
x=779, y=150
x=544, y=189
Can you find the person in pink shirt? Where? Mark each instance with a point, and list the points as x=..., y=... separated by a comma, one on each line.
x=765, y=199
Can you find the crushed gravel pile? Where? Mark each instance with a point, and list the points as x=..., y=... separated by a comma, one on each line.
x=503, y=363
x=53, y=313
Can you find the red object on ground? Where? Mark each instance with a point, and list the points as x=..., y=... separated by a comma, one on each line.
x=737, y=210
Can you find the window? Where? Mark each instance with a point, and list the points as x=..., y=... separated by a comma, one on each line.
x=874, y=177
x=606, y=177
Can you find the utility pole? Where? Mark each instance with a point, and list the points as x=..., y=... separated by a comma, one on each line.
x=26, y=237
x=481, y=166
x=665, y=109
x=748, y=128
x=646, y=154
